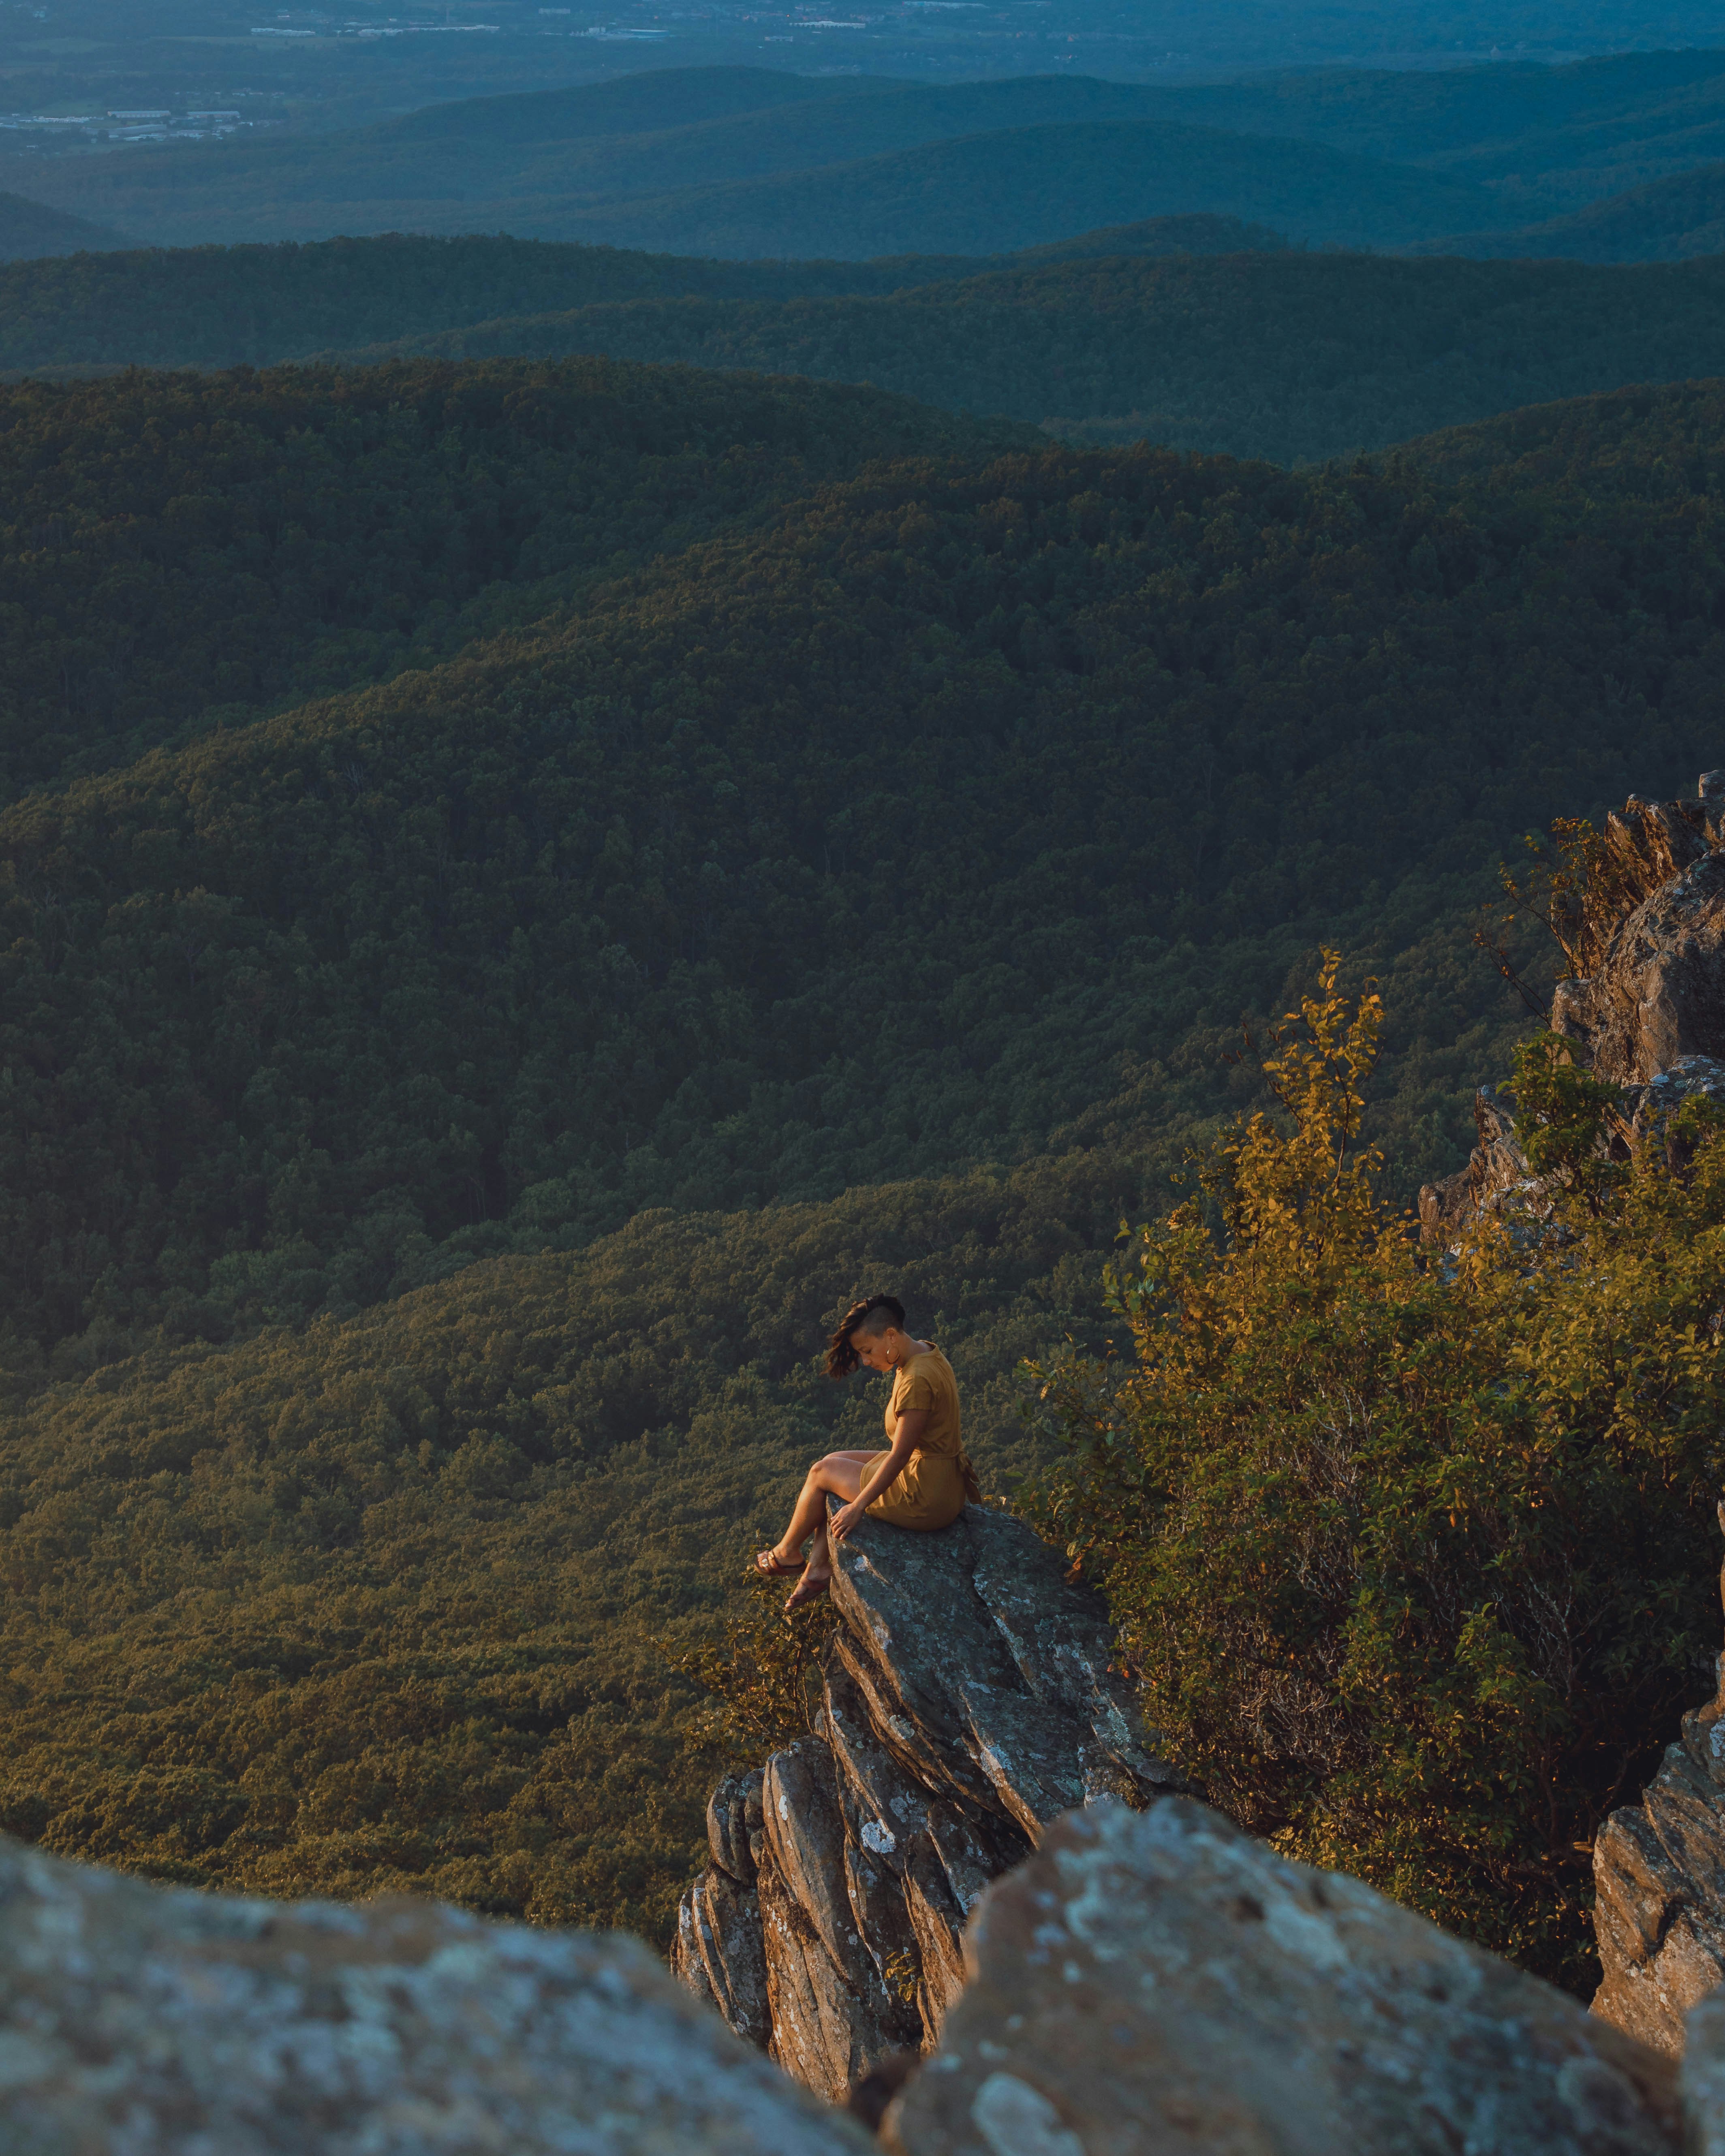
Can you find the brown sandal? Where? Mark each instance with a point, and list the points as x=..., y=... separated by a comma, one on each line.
x=809, y=1589
x=770, y=1564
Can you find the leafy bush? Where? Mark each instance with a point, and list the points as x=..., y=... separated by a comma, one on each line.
x=1414, y=1556
x=762, y=1675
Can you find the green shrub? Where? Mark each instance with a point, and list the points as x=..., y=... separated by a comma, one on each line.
x=762, y=1675
x=1413, y=1555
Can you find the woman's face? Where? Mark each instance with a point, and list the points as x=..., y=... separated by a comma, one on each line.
x=877, y=1351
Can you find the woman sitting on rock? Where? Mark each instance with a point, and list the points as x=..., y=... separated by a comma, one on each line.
x=921, y=1480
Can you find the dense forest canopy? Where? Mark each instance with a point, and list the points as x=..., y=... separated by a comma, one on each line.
x=31, y=230
x=1292, y=355
x=1097, y=744
x=179, y=552
x=1017, y=187
x=1545, y=138
x=1673, y=219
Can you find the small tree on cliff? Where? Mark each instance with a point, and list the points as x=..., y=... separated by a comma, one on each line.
x=1415, y=1556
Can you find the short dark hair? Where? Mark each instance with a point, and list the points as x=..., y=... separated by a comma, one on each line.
x=874, y=1314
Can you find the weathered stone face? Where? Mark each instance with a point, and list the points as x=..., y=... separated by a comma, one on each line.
x=137, y=2021
x=718, y=1952
x=1159, y=1981
x=1659, y=1882
x=733, y=1817
x=1496, y=1168
x=968, y=1701
x=1658, y=993
x=986, y=1671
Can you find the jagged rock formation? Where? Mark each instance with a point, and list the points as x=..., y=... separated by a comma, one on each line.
x=138, y=2021
x=1650, y=1012
x=1161, y=1981
x=1656, y=992
x=969, y=1702
x=1495, y=1167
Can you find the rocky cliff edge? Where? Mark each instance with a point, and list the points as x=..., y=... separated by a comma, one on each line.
x=969, y=1700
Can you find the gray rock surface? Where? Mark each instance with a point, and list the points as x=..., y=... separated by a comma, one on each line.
x=968, y=1701
x=1650, y=1108
x=1659, y=1886
x=717, y=1952
x=140, y=2021
x=1161, y=1982
x=1701, y=2079
x=734, y=1825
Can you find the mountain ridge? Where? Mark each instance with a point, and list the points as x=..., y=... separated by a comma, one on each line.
x=1290, y=354
x=416, y=172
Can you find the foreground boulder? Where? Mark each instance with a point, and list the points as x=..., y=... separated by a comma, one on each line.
x=969, y=1702
x=138, y=2021
x=1161, y=1982
x=1702, y=2079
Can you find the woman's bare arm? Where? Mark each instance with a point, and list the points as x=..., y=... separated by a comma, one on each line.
x=911, y=1424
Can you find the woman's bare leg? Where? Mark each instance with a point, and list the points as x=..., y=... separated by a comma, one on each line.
x=839, y=1474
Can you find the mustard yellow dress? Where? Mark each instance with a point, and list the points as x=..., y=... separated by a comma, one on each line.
x=930, y=1489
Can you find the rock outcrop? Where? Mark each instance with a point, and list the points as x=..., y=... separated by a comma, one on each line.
x=969, y=1701
x=1161, y=1981
x=1658, y=990
x=140, y=2021
x=1496, y=1168
x=1659, y=1886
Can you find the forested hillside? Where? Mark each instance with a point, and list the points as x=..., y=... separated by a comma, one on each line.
x=443, y=1117
x=222, y=307
x=1667, y=220
x=1289, y=356
x=1338, y=155
x=378, y=1604
x=1543, y=138
x=984, y=194
x=183, y=550
x=1082, y=751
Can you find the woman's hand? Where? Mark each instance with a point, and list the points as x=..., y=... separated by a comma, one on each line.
x=846, y=1518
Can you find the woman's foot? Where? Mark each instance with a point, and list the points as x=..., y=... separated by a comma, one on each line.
x=809, y=1589
x=770, y=1564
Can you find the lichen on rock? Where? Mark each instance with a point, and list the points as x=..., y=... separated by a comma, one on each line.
x=1161, y=1981
x=138, y=2020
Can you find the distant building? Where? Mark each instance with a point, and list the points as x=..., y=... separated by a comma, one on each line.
x=139, y=115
